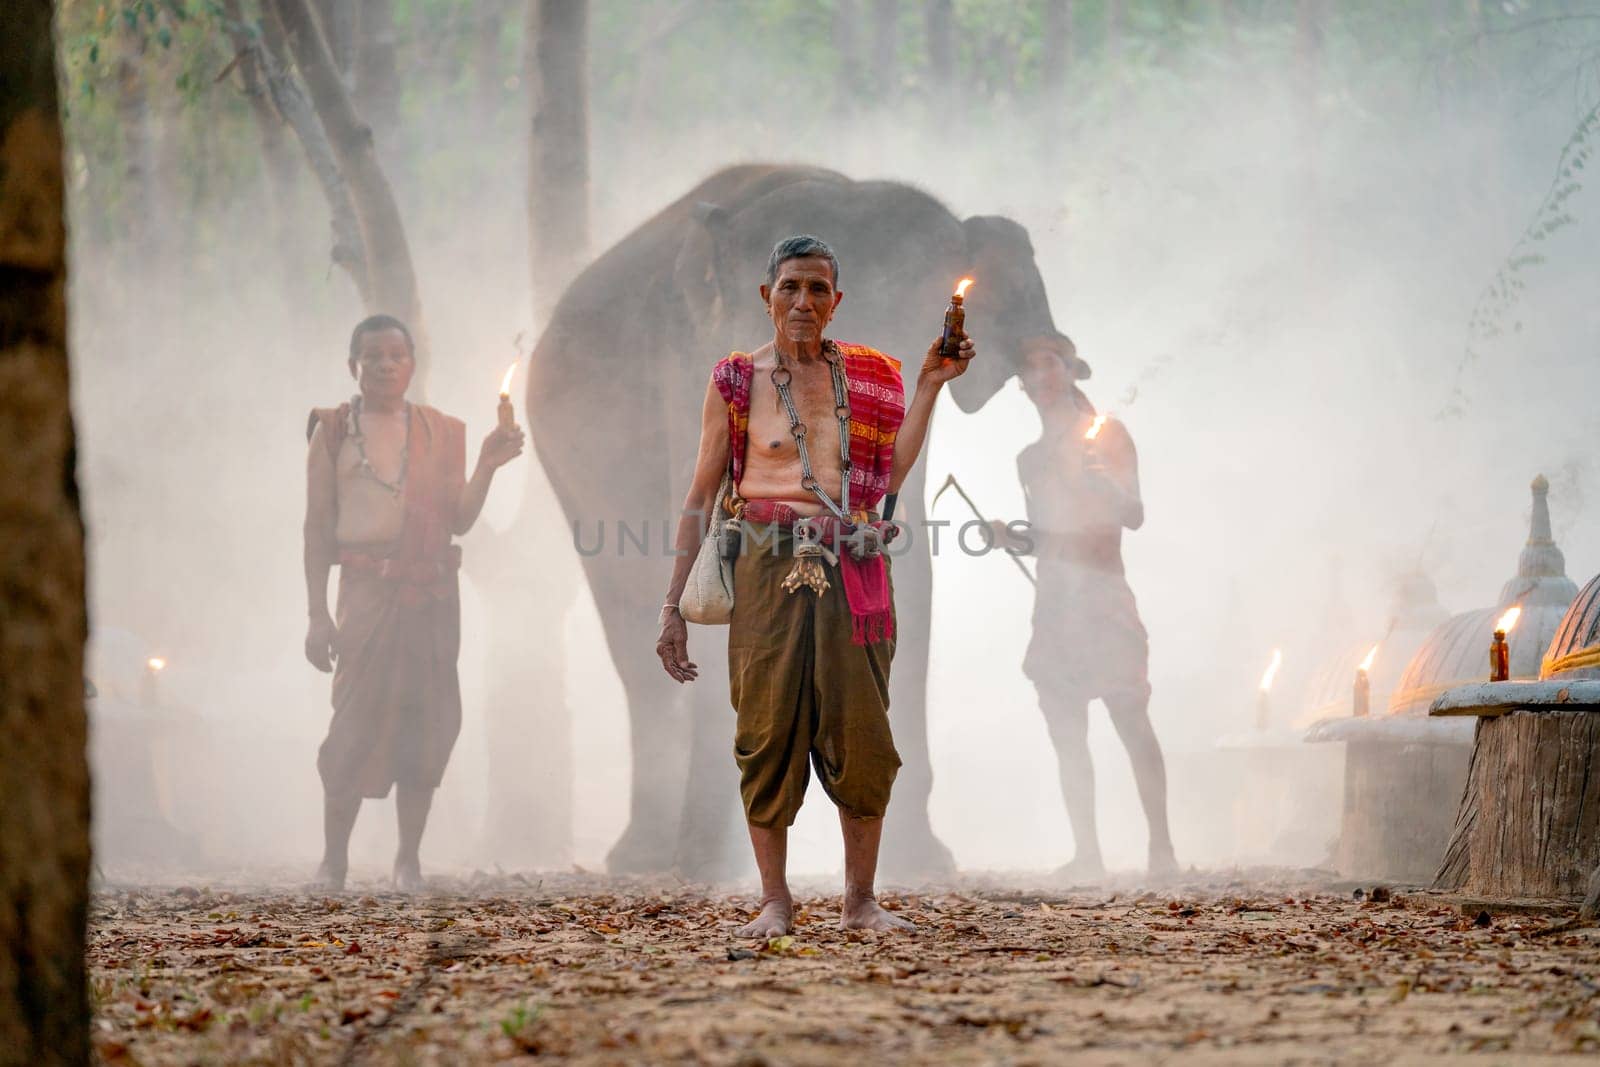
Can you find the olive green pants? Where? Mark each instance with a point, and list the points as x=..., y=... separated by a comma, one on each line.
x=804, y=692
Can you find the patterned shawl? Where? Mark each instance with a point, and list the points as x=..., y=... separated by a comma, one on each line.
x=877, y=407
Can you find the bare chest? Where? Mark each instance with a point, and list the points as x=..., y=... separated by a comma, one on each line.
x=1052, y=471
x=378, y=452
x=771, y=436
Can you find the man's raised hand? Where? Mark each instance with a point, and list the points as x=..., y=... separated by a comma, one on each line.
x=939, y=370
x=673, y=648
x=501, y=447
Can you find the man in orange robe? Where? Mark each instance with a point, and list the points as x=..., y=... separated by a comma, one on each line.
x=386, y=492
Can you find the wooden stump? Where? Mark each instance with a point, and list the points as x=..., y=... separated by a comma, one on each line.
x=1398, y=800
x=1529, y=821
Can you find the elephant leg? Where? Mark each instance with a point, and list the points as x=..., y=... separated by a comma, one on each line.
x=625, y=594
x=712, y=845
x=910, y=850
x=658, y=730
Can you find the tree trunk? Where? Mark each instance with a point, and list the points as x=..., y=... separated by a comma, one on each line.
x=528, y=822
x=377, y=78
x=138, y=145
x=277, y=162
x=1528, y=824
x=337, y=20
x=491, y=71
x=852, y=61
x=558, y=189
x=348, y=248
x=1057, y=45
x=942, y=76
x=392, y=278
x=1114, y=26
x=885, y=54
x=1311, y=16
x=44, y=775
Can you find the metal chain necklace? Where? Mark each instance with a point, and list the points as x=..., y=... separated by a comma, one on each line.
x=781, y=377
x=397, y=487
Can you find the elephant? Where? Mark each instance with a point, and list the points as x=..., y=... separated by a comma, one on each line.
x=614, y=397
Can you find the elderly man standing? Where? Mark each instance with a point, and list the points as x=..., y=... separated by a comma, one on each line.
x=814, y=433
x=386, y=492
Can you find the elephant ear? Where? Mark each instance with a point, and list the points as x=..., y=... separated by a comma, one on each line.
x=697, y=273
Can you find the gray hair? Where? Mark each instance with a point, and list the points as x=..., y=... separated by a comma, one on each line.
x=801, y=246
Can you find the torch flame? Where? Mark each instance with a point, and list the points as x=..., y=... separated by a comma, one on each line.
x=156, y=663
x=961, y=287
x=1095, y=428
x=1508, y=620
x=1272, y=669
x=505, y=383
x=1366, y=664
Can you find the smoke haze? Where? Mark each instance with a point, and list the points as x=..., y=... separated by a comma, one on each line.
x=1271, y=272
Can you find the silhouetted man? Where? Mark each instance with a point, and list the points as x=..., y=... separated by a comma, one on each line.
x=1088, y=641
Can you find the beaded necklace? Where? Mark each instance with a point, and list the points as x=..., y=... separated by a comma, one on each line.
x=397, y=487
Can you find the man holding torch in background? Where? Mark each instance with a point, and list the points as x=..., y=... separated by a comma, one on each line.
x=386, y=493
x=1081, y=483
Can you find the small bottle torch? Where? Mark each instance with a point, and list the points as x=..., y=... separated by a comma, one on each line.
x=508, y=417
x=1264, y=693
x=1361, y=691
x=1091, y=452
x=1499, y=650
x=955, y=320
x=150, y=683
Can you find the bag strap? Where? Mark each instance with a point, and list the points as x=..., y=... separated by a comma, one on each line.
x=715, y=519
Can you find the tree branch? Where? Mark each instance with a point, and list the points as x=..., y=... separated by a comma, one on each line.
x=389, y=268
x=264, y=45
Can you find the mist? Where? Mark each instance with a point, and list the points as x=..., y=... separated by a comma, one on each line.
x=1273, y=270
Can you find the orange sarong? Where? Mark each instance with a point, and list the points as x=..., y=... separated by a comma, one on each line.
x=396, y=695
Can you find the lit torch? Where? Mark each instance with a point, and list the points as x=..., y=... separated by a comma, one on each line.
x=1264, y=698
x=1091, y=455
x=149, y=692
x=1361, y=693
x=1499, y=651
x=508, y=418
x=955, y=320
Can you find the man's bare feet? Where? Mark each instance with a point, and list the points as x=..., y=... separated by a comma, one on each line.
x=408, y=876
x=1081, y=870
x=864, y=913
x=775, y=920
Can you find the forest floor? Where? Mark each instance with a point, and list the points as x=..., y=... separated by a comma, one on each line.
x=1273, y=969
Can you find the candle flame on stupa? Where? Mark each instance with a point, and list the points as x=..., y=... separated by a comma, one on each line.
x=1505, y=623
x=1095, y=427
x=156, y=663
x=1366, y=664
x=1271, y=672
x=962, y=286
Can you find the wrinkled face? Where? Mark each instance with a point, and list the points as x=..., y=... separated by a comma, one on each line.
x=802, y=299
x=384, y=364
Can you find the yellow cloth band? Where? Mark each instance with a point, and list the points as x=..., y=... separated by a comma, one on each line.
x=1572, y=661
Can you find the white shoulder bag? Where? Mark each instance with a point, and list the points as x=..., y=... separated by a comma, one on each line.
x=708, y=597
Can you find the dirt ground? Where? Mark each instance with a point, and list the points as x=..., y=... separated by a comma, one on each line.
x=610, y=971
